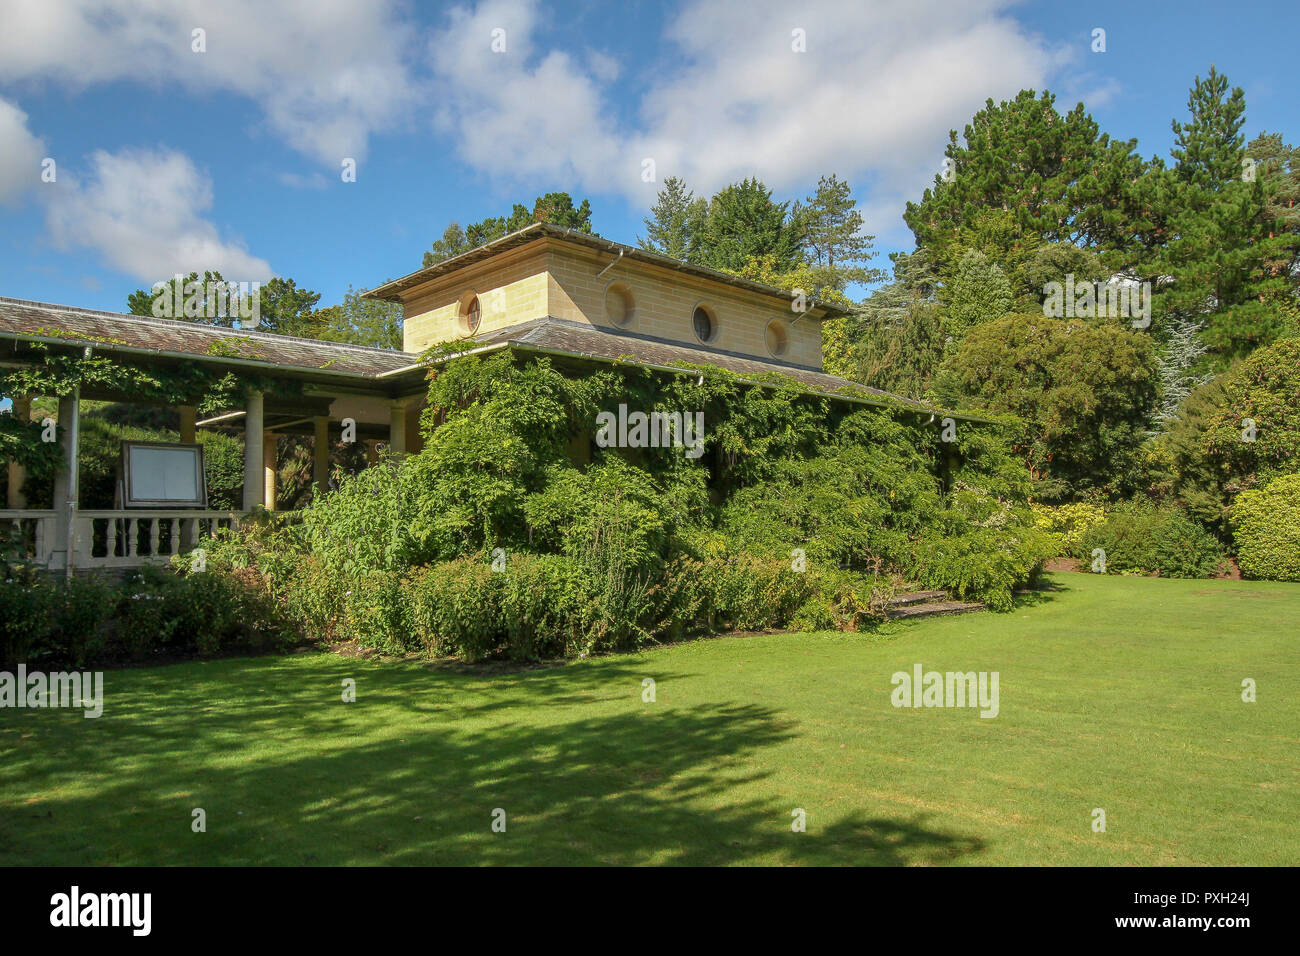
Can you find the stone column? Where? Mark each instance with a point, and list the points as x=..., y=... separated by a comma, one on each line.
x=65, y=484
x=397, y=428
x=254, y=484
x=187, y=424
x=269, y=449
x=320, y=462
x=15, y=499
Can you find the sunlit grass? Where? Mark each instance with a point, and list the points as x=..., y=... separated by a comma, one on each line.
x=1115, y=693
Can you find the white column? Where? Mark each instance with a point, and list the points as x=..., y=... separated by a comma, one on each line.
x=269, y=448
x=65, y=484
x=254, y=480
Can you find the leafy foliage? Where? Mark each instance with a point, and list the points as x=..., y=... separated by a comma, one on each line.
x=1082, y=392
x=1266, y=525
x=1139, y=537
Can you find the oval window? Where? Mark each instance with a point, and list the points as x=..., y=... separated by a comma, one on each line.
x=619, y=307
x=470, y=315
x=777, y=340
x=705, y=326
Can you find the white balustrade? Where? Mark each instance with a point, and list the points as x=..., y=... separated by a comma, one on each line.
x=118, y=538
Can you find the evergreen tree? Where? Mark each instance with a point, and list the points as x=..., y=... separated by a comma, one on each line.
x=833, y=241
x=556, y=208
x=287, y=309
x=978, y=292
x=743, y=223
x=1208, y=148
x=1027, y=176
x=1220, y=262
x=1180, y=360
x=1277, y=166
x=361, y=321
x=675, y=219
x=894, y=340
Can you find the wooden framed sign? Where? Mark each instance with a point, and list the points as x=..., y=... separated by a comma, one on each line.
x=163, y=475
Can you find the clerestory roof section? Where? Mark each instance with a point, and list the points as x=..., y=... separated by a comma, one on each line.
x=394, y=290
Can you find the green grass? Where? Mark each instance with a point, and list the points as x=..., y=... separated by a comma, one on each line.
x=1119, y=693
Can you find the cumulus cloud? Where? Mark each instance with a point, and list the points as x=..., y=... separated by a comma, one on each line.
x=21, y=153
x=876, y=92
x=515, y=111
x=326, y=73
x=141, y=211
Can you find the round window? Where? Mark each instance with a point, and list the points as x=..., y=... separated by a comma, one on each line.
x=777, y=340
x=705, y=325
x=619, y=307
x=470, y=315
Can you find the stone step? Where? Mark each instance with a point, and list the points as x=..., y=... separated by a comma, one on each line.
x=933, y=609
x=916, y=597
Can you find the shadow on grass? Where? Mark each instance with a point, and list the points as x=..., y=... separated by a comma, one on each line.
x=412, y=773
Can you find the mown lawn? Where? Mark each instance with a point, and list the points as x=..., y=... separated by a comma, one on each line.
x=1118, y=693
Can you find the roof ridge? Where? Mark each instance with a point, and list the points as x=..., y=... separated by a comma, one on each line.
x=197, y=327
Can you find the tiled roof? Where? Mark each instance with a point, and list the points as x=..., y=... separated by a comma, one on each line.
x=23, y=319
x=577, y=339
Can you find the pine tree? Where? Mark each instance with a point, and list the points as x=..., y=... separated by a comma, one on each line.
x=556, y=208
x=1277, y=167
x=1208, y=151
x=1219, y=266
x=1027, y=175
x=671, y=228
x=834, y=243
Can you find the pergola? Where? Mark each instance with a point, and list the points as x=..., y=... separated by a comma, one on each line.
x=376, y=393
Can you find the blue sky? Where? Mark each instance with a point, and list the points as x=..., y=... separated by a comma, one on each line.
x=167, y=159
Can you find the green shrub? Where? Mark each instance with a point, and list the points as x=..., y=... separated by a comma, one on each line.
x=750, y=592
x=456, y=608
x=26, y=603
x=843, y=600
x=1068, y=523
x=543, y=607
x=1138, y=537
x=82, y=606
x=1266, y=525
x=377, y=613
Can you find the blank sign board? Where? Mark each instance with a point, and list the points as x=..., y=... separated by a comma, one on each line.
x=163, y=476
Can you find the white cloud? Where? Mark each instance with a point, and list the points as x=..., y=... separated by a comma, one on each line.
x=514, y=114
x=20, y=154
x=874, y=96
x=140, y=211
x=326, y=73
